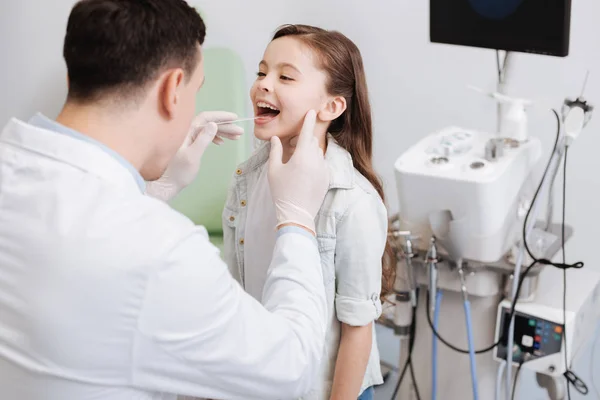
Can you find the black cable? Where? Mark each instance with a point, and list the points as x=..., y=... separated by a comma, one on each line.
x=498, y=66
x=406, y=364
x=514, y=389
x=409, y=364
x=573, y=379
x=410, y=348
x=413, y=335
x=511, y=315
x=545, y=261
x=564, y=257
x=414, y=379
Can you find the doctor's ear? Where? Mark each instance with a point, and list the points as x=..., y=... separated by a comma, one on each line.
x=172, y=82
x=334, y=108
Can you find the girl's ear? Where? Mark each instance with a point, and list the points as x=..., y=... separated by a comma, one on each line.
x=334, y=108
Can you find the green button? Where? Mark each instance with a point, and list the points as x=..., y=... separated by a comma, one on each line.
x=532, y=322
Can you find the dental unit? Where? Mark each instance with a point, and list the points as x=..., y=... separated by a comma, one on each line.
x=468, y=230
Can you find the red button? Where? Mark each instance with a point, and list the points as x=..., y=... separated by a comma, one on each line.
x=538, y=339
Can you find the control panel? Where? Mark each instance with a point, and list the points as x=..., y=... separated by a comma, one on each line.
x=533, y=337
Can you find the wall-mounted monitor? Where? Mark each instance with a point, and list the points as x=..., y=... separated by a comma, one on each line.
x=529, y=26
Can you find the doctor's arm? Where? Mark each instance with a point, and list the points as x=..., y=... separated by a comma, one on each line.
x=201, y=335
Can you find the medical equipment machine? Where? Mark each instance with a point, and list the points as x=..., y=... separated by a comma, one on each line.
x=468, y=199
x=513, y=25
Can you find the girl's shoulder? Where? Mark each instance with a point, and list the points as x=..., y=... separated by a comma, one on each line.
x=358, y=197
x=347, y=186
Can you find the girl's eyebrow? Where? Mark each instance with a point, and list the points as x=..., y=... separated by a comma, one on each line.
x=281, y=65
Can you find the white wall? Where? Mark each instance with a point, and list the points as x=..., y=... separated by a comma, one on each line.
x=416, y=86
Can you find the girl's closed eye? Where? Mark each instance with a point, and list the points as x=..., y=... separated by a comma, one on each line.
x=260, y=74
x=286, y=78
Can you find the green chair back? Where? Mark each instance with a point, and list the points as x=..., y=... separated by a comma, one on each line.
x=224, y=89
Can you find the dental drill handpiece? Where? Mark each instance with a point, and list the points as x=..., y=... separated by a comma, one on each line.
x=463, y=282
x=404, y=299
x=433, y=273
x=412, y=279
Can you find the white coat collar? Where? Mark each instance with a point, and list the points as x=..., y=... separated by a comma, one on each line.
x=77, y=153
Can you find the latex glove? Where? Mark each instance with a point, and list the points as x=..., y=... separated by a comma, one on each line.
x=227, y=131
x=184, y=166
x=299, y=187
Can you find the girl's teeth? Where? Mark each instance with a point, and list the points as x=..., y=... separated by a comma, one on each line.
x=265, y=105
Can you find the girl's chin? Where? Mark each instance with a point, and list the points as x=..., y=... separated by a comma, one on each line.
x=264, y=133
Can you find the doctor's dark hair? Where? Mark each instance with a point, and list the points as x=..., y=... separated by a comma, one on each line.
x=119, y=46
x=341, y=61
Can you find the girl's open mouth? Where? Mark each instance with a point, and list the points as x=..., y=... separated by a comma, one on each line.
x=265, y=112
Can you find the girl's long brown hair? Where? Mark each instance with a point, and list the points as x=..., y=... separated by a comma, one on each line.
x=341, y=60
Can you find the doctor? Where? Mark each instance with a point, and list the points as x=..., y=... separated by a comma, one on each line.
x=105, y=291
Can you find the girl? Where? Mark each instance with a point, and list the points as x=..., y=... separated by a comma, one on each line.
x=307, y=68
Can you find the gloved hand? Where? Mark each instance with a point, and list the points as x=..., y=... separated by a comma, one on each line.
x=184, y=166
x=299, y=187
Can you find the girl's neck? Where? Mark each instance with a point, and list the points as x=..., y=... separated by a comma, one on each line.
x=290, y=145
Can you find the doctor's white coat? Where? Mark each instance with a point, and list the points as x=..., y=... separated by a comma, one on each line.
x=106, y=293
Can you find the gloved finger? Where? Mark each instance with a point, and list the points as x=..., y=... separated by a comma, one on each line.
x=314, y=145
x=308, y=129
x=190, y=137
x=230, y=129
x=218, y=116
x=205, y=117
x=228, y=135
x=218, y=141
x=203, y=139
x=194, y=131
x=276, y=155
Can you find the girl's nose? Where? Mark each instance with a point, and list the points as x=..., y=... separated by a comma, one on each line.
x=265, y=85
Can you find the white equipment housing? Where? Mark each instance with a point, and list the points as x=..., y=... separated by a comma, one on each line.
x=539, y=324
x=484, y=181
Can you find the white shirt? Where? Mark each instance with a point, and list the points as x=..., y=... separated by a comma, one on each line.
x=260, y=236
x=351, y=232
x=106, y=293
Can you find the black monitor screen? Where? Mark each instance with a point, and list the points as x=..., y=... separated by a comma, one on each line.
x=530, y=26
